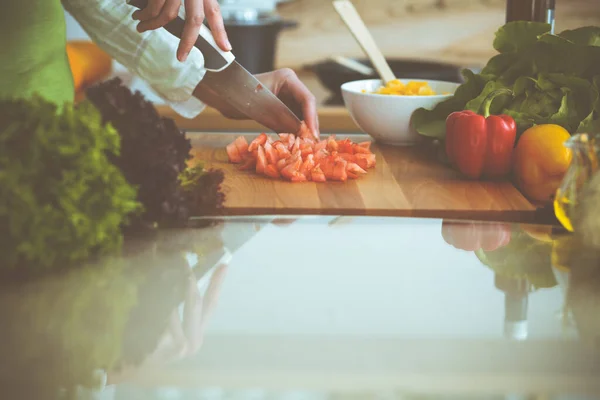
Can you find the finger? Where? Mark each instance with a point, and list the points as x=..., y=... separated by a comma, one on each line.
x=194, y=15
x=167, y=14
x=215, y=21
x=151, y=11
x=173, y=344
x=213, y=290
x=192, y=320
x=294, y=87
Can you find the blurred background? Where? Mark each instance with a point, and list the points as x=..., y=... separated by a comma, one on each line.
x=423, y=39
x=449, y=30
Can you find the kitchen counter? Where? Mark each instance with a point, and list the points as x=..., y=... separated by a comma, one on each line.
x=313, y=308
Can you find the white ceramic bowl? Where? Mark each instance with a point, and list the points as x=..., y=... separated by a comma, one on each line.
x=387, y=118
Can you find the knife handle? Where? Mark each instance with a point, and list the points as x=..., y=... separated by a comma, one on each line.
x=215, y=59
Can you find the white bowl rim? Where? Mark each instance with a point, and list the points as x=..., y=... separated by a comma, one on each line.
x=344, y=88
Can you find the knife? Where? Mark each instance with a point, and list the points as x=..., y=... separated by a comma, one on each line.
x=232, y=82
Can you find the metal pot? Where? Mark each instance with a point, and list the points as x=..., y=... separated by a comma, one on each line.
x=253, y=34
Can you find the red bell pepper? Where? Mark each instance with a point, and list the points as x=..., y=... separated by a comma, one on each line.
x=481, y=145
x=472, y=236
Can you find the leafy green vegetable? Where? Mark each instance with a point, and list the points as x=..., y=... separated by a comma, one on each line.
x=433, y=123
x=70, y=323
x=586, y=36
x=523, y=257
x=519, y=35
x=554, y=79
x=61, y=199
x=190, y=176
x=153, y=156
x=59, y=329
x=475, y=104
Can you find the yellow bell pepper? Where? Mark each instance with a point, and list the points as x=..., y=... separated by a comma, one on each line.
x=89, y=64
x=541, y=160
x=542, y=233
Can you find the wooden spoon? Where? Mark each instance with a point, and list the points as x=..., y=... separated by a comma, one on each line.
x=353, y=65
x=360, y=32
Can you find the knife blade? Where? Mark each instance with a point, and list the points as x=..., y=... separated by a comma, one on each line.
x=232, y=82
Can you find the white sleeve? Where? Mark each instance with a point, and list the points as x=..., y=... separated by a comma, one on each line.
x=150, y=55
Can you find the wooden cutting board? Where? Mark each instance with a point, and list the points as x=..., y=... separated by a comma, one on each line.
x=407, y=181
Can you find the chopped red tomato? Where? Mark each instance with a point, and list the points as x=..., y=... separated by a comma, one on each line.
x=261, y=161
x=302, y=157
x=259, y=141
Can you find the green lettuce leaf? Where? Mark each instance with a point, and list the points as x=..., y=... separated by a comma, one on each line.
x=498, y=103
x=586, y=36
x=519, y=35
x=498, y=65
x=432, y=123
x=566, y=115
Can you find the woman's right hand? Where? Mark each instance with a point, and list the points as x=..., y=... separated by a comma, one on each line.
x=160, y=12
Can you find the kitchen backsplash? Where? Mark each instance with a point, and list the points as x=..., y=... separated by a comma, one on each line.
x=451, y=30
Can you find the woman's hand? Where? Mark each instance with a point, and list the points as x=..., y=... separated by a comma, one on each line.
x=160, y=12
x=285, y=84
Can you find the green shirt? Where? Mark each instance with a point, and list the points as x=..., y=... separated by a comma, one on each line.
x=33, y=55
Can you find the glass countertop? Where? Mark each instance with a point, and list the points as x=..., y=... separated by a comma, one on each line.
x=313, y=308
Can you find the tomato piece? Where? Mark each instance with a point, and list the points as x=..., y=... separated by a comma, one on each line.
x=271, y=154
x=309, y=141
x=345, y=146
x=327, y=167
x=348, y=157
x=361, y=150
x=304, y=132
x=332, y=145
x=281, y=164
x=322, y=145
x=272, y=172
x=365, y=161
x=306, y=151
x=372, y=161
x=233, y=153
x=298, y=177
x=339, y=170
x=282, y=150
x=317, y=175
x=291, y=142
x=307, y=165
x=242, y=145
x=297, y=145
x=365, y=145
x=261, y=161
x=259, y=141
x=355, y=169
x=292, y=169
x=321, y=154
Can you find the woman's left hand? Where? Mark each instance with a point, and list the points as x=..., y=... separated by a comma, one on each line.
x=286, y=85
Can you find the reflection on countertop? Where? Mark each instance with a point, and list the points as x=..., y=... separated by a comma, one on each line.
x=326, y=307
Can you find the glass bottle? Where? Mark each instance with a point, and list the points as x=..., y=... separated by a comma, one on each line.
x=531, y=10
x=583, y=165
x=516, y=300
